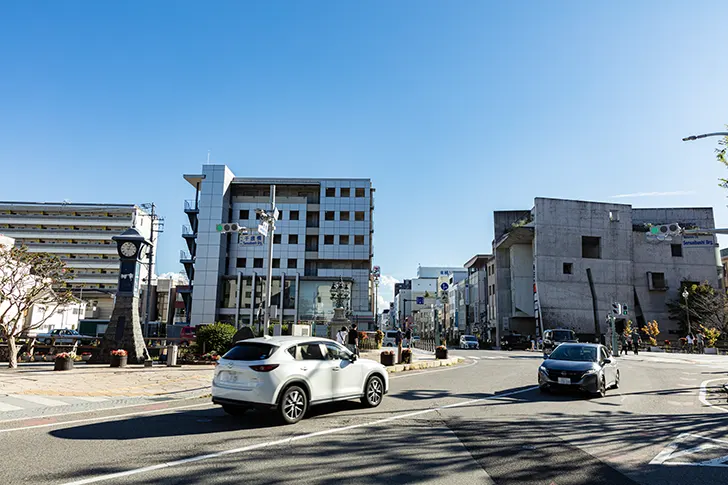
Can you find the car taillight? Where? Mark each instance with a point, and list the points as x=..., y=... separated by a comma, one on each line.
x=264, y=368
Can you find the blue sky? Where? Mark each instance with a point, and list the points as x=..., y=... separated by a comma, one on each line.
x=453, y=109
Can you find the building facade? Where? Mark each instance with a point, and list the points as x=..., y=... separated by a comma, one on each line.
x=543, y=257
x=323, y=235
x=80, y=235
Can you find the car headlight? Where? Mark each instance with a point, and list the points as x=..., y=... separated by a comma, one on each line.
x=543, y=369
x=591, y=372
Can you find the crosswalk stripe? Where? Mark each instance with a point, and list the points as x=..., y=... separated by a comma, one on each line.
x=39, y=400
x=90, y=398
x=8, y=407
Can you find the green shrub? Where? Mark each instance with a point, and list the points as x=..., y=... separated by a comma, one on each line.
x=216, y=337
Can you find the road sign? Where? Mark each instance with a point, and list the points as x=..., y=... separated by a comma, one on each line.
x=263, y=228
x=276, y=214
x=251, y=240
x=420, y=300
x=444, y=286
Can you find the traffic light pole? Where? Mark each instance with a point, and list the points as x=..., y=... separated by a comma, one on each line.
x=269, y=280
x=615, y=343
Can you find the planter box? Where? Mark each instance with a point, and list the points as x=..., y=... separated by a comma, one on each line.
x=63, y=364
x=406, y=357
x=711, y=350
x=118, y=360
x=386, y=359
x=48, y=358
x=440, y=354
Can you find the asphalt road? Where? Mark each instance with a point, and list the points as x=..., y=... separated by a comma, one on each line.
x=480, y=422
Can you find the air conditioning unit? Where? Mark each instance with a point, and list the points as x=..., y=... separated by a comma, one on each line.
x=301, y=330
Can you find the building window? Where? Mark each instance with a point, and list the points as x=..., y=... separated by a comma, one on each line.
x=244, y=215
x=331, y=192
x=344, y=215
x=329, y=216
x=276, y=262
x=590, y=247
x=293, y=239
x=292, y=263
x=358, y=216
x=257, y=216
x=293, y=215
x=345, y=192
x=676, y=250
x=568, y=268
x=329, y=239
x=360, y=192
x=344, y=239
x=359, y=240
x=258, y=263
x=656, y=281
x=280, y=215
x=276, y=238
x=240, y=263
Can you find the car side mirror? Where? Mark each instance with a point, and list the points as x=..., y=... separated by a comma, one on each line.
x=545, y=356
x=607, y=361
x=353, y=358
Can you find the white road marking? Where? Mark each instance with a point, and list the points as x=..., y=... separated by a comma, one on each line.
x=170, y=464
x=8, y=407
x=105, y=418
x=689, y=378
x=91, y=398
x=425, y=371
x=670, y=452
x=473, y=357
x=703, y=392
x=39, y=400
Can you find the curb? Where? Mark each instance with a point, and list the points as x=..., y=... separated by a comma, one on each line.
x=424, y=365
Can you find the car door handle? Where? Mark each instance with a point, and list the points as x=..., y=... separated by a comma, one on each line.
x=336, y=369
x=304, y=368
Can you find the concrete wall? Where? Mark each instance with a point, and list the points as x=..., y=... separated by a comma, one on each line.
x=565, y=298
x=521, y=259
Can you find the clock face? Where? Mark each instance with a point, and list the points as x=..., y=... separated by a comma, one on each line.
x=128, y=249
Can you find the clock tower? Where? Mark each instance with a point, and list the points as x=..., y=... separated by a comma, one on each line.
x=125, y=330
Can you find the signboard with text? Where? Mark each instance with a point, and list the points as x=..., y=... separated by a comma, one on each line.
x=694, y=240
x=251, y=240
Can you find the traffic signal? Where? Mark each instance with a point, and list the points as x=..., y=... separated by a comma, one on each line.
x=616, y=308
x=625, y=309
x=228, y=227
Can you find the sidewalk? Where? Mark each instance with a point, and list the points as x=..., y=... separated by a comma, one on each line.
x=421, y=359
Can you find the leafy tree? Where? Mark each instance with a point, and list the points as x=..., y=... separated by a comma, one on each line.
x=628, y=328
x=28, y=279
x=217, y=337
x=652, y=330
x=706, y=305
x=721, y=153
x=711, y=335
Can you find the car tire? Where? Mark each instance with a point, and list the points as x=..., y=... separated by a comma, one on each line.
x=293, y=405
x=234, y=410
x=373, y=392
x=602, y=389
x=616, y=381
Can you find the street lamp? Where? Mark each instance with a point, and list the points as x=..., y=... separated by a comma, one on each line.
x=697, y=137
x=685, y=295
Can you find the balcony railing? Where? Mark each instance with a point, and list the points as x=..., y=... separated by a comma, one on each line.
x=187, y=231
x=190, y=205
x=184, y=256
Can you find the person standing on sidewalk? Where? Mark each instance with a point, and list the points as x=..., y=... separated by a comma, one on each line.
x=352, y=342
x=408, y=337
x=636, y=341
x=701, y=342
x=623, y=341
x=398, y=343
x=342, y=335
x=689, y=339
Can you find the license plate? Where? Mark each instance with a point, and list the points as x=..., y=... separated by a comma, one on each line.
x=564, y=380
x=228, y=377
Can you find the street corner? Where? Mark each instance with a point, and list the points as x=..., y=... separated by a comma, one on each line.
x=714, y=394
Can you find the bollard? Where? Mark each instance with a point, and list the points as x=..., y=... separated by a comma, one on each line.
x=171, y=355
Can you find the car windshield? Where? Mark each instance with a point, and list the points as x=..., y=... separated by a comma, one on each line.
x=577, y=353
x=470, y=338
x=563, y=335
x=250, y=351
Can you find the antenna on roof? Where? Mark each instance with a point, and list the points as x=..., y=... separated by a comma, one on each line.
x=208, y=157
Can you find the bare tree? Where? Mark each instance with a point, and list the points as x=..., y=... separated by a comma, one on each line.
x=706, y=306
x=28, y=279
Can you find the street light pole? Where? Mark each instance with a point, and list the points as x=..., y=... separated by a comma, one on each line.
x=269, y=280
x=706, y=135
x=685, y=295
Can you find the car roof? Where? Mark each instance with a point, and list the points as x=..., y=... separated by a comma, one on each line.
x=579, y=344
x=283, y=340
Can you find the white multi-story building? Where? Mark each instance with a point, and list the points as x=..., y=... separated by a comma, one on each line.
x=323, y=235
x=80, y=235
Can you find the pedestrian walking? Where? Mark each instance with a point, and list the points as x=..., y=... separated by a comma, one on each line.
x=690, y=341
x=398, y=342
x=353, y=340
x=636, y=342
x=408, y=338
x=623, y=340
x=701, y=342
x=341, y=336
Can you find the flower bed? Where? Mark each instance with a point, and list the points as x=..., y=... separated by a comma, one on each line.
x=441, y=352
x=406, y=356
x=119, y=358
x=64, y=361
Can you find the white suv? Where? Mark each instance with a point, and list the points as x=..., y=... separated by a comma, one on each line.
x=289, y=374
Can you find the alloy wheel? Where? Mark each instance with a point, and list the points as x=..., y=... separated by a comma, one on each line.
x=374, y=392
x=294, y=405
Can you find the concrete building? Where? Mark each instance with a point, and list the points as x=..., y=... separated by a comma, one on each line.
x=724, y=263
x=167, y=306
x=542, y=257
x=324, y=234
x=80, y=235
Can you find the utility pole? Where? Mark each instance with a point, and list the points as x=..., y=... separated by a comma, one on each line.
x=597, y=333
x=269, y=219
x=150, y=264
